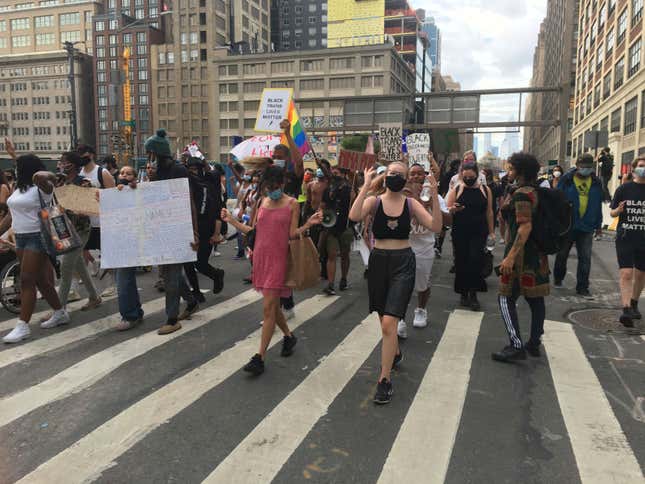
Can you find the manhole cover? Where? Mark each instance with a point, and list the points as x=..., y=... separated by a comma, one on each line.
x=601, y=320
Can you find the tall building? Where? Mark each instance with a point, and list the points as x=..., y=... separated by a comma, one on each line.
x=434, y=42
x=35, y=93
x=554, y=66
x=610, y=86
x=297, y=25
x=196, y=33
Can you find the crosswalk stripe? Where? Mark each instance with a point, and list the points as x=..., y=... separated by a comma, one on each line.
x=86, y=372
x=35, y=318
x=94, y=453
x=599, y=444
x=422, y=449
x=71, y=335
x=261, y=455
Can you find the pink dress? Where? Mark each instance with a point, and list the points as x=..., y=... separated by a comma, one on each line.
x=271, y=251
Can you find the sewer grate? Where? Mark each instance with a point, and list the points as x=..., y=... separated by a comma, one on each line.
x=603, y=319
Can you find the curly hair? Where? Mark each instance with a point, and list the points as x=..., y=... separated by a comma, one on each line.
x=526, y=165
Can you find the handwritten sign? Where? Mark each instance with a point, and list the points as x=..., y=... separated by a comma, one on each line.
x=390, y=137
x=80, y=200
x=355, y=160
x=148, y=226
x=273, y=109
x=256, y=147
x=418, y=148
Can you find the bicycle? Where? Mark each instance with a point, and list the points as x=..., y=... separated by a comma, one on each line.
x=10, y=287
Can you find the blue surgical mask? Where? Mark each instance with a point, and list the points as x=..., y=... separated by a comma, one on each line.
x=639, y=171
x=319, y=173
x=585, y=172
x=247, y=178
x=280, y=163
x=275, y=194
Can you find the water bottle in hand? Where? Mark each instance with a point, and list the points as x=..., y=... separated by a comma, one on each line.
x=490, y=244
x=425, y=192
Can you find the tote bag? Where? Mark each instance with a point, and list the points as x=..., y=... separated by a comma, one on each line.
x=56, y=229
x=303, y=264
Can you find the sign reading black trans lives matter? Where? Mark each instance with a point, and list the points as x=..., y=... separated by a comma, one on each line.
x=273, y=109
x=389, y=135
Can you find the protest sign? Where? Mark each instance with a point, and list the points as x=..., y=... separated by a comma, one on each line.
x=418, y=148
x=391, y=141
x=256, y=147
x=355, y=160
x=273, y=109
x=80, y=200
x=148, y=226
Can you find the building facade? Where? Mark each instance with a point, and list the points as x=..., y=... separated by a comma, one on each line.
x=434, y=42
x=610, y=88
x=297, y=25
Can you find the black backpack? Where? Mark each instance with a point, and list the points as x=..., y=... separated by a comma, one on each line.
x=553, y=221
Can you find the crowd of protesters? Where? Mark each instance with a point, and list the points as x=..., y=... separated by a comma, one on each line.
x=401, y=212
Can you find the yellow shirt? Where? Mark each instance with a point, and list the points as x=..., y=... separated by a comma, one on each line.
x=583, y=185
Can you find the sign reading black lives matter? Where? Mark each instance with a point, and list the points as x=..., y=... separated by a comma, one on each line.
x=273, y=109
x=389, y=135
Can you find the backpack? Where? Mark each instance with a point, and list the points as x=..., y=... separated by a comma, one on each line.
x=553, y=221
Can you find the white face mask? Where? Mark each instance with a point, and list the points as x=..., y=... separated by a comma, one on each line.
x=280, y=163
x=557, y=174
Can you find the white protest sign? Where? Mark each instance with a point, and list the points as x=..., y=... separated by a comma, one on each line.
x=256, y=147
x=418, y=148
x=148, y=226
x=273, y=109
x=391, y=141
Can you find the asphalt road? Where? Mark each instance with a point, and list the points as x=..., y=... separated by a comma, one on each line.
x=83, y=403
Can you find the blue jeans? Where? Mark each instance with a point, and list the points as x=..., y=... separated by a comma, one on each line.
x=128, y=294
x=176, y=288
x=584, y=242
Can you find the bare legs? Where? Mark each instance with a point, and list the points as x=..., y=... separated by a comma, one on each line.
x=272, y=316
x=35, y=271
x=390, y=345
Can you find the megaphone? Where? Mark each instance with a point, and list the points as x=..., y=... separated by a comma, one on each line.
x=329, y=218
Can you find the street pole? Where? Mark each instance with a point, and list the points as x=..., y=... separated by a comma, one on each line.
x=69, y=47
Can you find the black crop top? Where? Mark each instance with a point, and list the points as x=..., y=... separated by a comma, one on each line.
x=385, y=227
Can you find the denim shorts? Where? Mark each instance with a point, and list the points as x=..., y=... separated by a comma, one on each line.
x=32, y=241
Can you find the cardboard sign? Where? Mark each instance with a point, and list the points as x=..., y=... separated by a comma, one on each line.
x=256, y=147
x=273, y=109
x=390, y=137
x=355, y=160
x=418, y=148
x=80, y=200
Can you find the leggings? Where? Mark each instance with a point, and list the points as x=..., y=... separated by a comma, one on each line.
x=508, y=309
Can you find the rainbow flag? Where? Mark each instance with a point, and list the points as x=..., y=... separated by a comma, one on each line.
x=297, y=130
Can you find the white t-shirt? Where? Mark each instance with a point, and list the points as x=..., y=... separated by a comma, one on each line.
x=24, y=208
x=421, y=238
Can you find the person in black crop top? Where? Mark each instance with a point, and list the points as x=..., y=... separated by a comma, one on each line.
x=391, y=273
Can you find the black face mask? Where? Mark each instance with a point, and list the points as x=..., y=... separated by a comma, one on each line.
x=394, y=183
x=470, y=181
x=85, y=161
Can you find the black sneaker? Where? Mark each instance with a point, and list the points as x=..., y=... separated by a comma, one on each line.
x=437, y=254
x=464, y=300
x=199, y=297
x=247, y=280
x=343, y=285
x=365, y=273
x=329, y=290
x=509, y=353
x=557, y=283
x=452, y=269
x=383, y=393
x=189, y=311
x=218, y=282
x=397, y=359
x=255, y=366
x=474, y=303
x=288, y=343
x=627, y=318
x=584, y=293
x=634, y=307
x=533, y=349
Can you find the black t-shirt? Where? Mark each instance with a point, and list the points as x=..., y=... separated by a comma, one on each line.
x=631, y=223
x=338, y=199
x=206, y=191
x=171, y=172
x=293, y=184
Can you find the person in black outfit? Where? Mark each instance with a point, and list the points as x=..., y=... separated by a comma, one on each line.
x=444, y=186
x=606, y=160
x=206, y=191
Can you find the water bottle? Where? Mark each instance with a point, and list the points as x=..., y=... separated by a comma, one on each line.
x=490, y=244
x=425, y=192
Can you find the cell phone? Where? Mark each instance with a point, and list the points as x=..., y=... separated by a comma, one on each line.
x=457, y=205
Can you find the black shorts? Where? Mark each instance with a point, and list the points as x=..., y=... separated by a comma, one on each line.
x=94, y=242
x=390, y=281
x=630, y=255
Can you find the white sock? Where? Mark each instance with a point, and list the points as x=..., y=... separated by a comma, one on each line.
x=59, y=312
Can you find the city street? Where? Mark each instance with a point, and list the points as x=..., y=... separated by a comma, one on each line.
x=84, y=403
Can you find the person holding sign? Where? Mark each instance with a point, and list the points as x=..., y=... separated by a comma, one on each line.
x=277, y=222
x=392, y=263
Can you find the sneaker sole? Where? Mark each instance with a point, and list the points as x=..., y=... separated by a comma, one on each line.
x=16, y=340
x=253, y=372
x=508, y=360
x=382, y=402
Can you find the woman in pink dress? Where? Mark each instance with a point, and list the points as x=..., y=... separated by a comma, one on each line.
x=277, y=222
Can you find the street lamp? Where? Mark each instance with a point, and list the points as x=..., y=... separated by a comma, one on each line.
x=73, y=128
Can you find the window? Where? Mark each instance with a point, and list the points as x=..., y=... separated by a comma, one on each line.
x=281, y=67
x=612, y=7
x=170, y=58
x=312, y=84
x=341, y=83
x=311, y=65
x=342, y=63
x=602, y=16
x=372, y=61
x=599, y=56
x=596, y=96
x=610, y=42
x=45, y=39
x=228, y=89
x=634, y=58
x=44, y=21
x=631, y=107
x=3, y=25
x=615, y=120
x=619, y=73
x=606, y=86
x=252, y=87
x=20, y=41
x=250, y=69
x=20, y=24
x=127, y=39
x=69, y=18
x=637, y=11
x=643, y=110
x=371, y=81
x=283, y=84
x=73, y=36
x=251, y=106
x=622, y=26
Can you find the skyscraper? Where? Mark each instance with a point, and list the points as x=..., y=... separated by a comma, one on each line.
x=298, y=26
x=434, y=42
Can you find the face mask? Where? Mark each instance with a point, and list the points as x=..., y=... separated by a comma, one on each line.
x=470, y=181
x=280, y=163
x=585, y=172
x=85, y=161
x=247, y=178
x=275, y=194
x=394, y=183
x=639, y=171
x=319, y=173
x=254, y=186
x=557, y=174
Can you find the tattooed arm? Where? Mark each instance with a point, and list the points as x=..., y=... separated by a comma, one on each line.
x=523, y=216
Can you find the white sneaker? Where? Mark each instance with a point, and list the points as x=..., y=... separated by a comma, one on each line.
x=216, y=254
x=59, y=318
x=402, y=329
x=109, y=292
x=288, y=314
x=20, y=332
x=420, y=318
x=73, y=296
